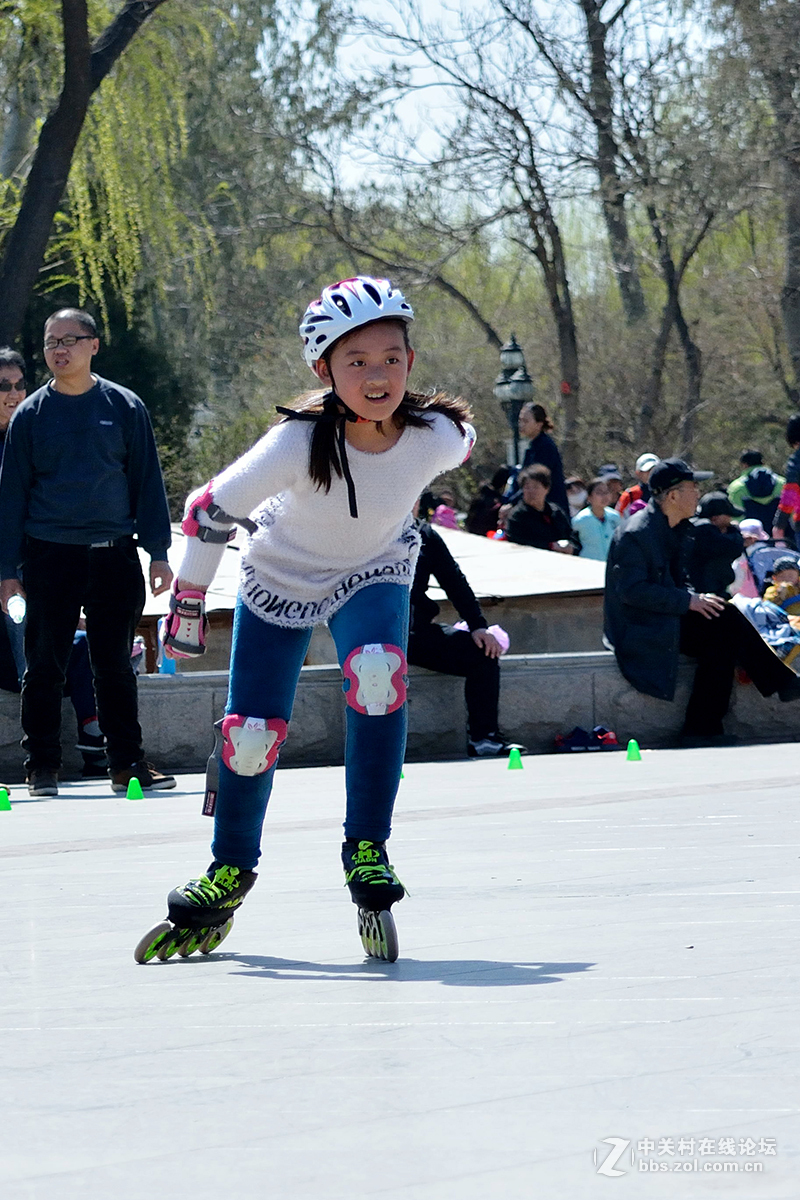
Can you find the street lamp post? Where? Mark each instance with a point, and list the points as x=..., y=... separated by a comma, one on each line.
x=513, y=388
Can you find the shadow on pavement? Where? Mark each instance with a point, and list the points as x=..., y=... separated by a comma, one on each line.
x=453, y=972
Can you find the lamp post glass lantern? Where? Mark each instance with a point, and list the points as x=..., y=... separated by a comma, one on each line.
x=514, y=389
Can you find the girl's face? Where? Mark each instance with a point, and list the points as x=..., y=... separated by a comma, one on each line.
x=601, y=496
x=369, y=369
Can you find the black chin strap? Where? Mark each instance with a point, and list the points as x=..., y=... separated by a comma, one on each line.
x=331, y=413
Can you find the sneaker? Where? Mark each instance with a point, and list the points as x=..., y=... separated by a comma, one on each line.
x=212, y=898
x=145, y=772
x=43, y=783
x=605, y=738
x=369, y=875
x=578, y=739
x=494, y=745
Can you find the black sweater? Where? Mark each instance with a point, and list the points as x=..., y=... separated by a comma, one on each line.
x=529, y=527
x=435, y=559
x=81, y=469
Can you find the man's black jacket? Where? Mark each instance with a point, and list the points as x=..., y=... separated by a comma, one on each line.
x=435, y=559
x=647, y=593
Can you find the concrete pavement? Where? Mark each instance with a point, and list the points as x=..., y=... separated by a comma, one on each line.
x=592, y=949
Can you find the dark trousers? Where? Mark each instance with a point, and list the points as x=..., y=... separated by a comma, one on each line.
x=453, y=652
x=59, y=580
x=720, y=645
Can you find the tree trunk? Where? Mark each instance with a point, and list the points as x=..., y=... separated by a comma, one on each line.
x=693, y=358
x=84, y=70
x=612, y=190
x=27, y=242
x=790, y=294
x=652, y=391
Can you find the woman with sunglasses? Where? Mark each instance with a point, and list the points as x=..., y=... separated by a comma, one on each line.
x=13, y=388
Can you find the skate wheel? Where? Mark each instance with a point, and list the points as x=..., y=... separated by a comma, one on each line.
x=215, y=936
x=378, y=934
x=152, y=942
x=191, y=943
x=169, y=947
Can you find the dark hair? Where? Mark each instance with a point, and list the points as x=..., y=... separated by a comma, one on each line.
x=793, y=429
x=84, y=319
x=538, y=413
x=595, y=483
x=752, y=458
x=10, y=358
x=537, y=471
x=500, y=478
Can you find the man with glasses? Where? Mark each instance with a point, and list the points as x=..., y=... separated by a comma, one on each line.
x=652, y=614
x=80, y=479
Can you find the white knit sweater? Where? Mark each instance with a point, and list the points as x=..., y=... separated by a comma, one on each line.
x=308, y=555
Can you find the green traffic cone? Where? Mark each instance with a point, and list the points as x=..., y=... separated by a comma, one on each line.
x=634, y=753
x=5, y=803
x=135, y=790
x=514, y=759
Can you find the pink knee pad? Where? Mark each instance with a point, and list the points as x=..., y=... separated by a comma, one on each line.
x=250, y=744
x=377, y=677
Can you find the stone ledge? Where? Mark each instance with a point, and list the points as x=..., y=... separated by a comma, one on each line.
x=541, y=695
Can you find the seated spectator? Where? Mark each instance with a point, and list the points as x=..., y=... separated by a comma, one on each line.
x=784, y=587
x=610, y=472
x=636, y=496
x=595, y=525
x=482, y=514
x=535, y=521
x=758, y=490
x=472, y=654
x=576, y=494
x=717, y=543
x=744, y=583
x=652, y=613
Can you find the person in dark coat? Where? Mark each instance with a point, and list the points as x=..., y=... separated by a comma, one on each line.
x=534, y=520
x=535, y=424
x=716, y=544
x=652, y=614
x=472, y=653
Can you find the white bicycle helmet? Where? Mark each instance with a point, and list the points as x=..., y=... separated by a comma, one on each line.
x=346, y=306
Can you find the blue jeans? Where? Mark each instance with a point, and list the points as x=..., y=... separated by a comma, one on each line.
x=265, y=667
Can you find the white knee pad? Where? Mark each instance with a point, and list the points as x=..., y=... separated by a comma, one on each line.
x=377, y=677
x=251, y=744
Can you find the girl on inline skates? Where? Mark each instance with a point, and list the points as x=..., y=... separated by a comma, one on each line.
x=326, y=498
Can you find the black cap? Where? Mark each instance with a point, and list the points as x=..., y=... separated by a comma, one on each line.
x=672, y=471
x=609, y=471
x=717, y=504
